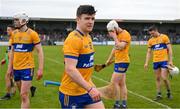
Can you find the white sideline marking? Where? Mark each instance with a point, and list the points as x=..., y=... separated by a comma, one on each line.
x=133, y=93
x=136, y=94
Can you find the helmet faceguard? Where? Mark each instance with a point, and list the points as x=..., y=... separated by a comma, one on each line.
x=23, y=19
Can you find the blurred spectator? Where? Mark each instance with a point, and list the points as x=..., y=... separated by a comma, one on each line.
x=49, y=36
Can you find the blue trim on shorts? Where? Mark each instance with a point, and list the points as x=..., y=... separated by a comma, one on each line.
x=161, y=64
x=24, y=74
x=121, y=67
x=74, y=102
x=69, y=56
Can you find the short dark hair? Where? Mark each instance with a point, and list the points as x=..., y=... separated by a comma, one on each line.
x=85, y=9
x=11, y=26
x=153, y=28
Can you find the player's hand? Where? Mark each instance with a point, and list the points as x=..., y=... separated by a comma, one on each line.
x=95, y=94
x=39, y=74
x=9, y=71
x=112, y=34
x=170, y=63
x=146, y=66
x=99, y=67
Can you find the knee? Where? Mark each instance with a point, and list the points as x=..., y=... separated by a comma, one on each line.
x=123, y=88
x=115, y=84
x=158, y=79
x=115, y=80
x=125, y=92
x=24, y=96
x=164, y=77
x=122, y=83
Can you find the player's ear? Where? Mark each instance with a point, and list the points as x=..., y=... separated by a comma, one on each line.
x=78, y=19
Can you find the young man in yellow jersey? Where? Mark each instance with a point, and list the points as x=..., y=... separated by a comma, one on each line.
x=10, y=87
x=160, y=45
x=120, y=53
x=21, y=61
x=77, y=89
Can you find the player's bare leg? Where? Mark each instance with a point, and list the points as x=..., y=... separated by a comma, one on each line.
x=18, y=83
x=25, y=87
x=7, y=96
x=123, y=90
x=32, y=88
x=164, y=75
x=13, y=86
x=115, y=80
x=158, y=83
x=8, y=83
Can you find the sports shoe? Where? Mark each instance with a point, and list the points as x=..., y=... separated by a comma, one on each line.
x=33, y=90
x=169, y=96
x=117, y=106
x=6, y=97
x=158, y=97
x=123, y=106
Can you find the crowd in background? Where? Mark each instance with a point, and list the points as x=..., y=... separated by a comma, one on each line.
x=51, y=36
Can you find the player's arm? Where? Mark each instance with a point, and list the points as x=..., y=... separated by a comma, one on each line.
x=118, y=45
x=38, y=47
x=10, y=64
x=170, y=53
x=70, y=68
x=110, y=59
x=71, y=49
x=148, y=56
x=169, y=48
x=8, y=52
x=41, y=60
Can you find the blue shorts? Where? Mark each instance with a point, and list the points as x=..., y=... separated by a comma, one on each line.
x=121, y=67
x=74, y=102
x=24, y=74
x=162, y=64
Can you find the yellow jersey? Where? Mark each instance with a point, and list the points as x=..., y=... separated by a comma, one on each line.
x=80, y=47
x=122, y=56
x=23, y=44
x=159, y=47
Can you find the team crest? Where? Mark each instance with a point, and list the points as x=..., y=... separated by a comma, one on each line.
x=85, y=46
x=19, y=38
x=157, y=46
x=121, y=69
x=24, y=38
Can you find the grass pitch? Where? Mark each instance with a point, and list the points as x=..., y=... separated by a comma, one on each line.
x=140, y=83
